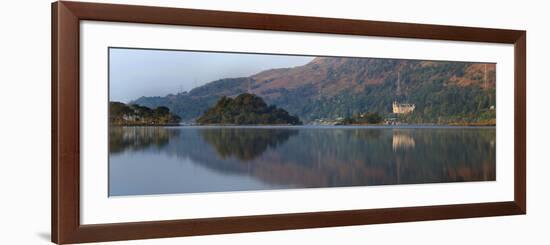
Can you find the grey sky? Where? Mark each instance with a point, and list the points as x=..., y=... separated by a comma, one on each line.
x=139, y=72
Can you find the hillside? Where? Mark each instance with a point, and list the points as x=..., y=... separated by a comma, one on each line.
x=444, y=92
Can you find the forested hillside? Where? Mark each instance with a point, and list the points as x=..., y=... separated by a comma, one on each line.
x=443, y=92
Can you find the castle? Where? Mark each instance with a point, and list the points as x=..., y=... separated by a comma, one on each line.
x=399, y=108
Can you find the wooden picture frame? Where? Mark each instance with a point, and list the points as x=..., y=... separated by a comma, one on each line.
x=65, y=172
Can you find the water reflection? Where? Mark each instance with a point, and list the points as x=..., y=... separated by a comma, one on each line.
x=245, y=143
x=137, y=138
x=402, y=140
x=252, y=158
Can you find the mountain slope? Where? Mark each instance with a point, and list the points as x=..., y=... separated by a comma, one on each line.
x=330, y=87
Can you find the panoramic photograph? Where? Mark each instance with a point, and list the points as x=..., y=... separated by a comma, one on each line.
x=204, y=121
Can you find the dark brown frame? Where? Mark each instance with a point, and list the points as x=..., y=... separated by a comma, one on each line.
x=65, y=172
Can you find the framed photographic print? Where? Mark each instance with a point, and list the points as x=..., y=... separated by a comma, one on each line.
x=176, y=122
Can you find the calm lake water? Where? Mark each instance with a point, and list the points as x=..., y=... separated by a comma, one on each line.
x=162, y=160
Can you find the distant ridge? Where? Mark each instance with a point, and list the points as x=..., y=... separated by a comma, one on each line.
x=328, y=87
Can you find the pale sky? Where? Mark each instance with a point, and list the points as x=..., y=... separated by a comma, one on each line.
x=143, y=72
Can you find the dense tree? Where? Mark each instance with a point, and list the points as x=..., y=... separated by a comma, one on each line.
x=366, y=118
x=122, y=114
x=246, y=109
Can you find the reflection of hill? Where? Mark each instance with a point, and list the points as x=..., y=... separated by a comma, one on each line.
x=245, y=143
x=330, y=157
x=356, y=157
x=136, y=138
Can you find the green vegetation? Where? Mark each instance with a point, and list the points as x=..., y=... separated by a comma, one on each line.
x=122, y=114
x=246, y=109
x=436, y=100
x=361, y=119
